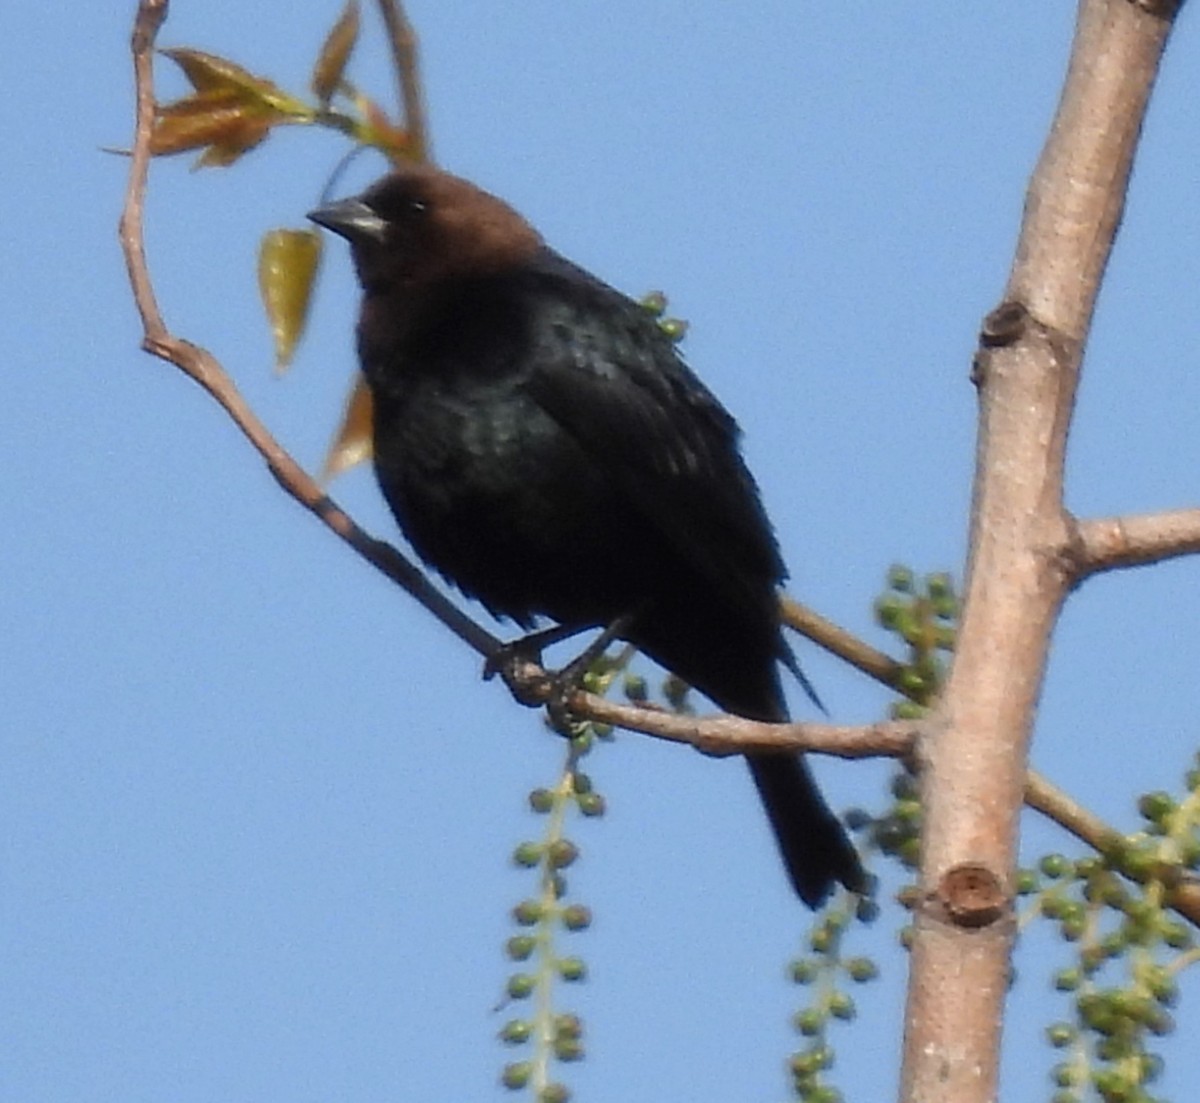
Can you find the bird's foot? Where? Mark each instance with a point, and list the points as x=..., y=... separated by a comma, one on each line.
x=519, y=663
x=564, y=682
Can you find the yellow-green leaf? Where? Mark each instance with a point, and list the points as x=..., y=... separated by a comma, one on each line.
x=223, y=128
x=335, y=53
x=352, y=444
x=287, y=267
x=210, y=74
x=242, y=138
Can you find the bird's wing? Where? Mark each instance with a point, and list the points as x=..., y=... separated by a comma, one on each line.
x=604, y=370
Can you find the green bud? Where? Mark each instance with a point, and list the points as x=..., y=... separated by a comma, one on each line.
x=562, y=853
x=906, y=710
x=1160, y=1022
x=576, y=917
x=636, y=689
x=1056, y=866
x=568, y=1026
x=527, y=855
x=516, y=1075
x=591, y=804
x=676, y=690
x=675, y=328
x=581, y=783
x=1064, y=1075
x=939, y=585
x=1060, y=1035
x=541, y=800
x=889, y=611
x=900, y=578
x=826, y=1093
x=520, y=985
x=803, y=971
x=945, y=638
x=860, y=969
x=572, y=969
x=1068, y=980
x=1027, y=882
x=867, y=909
x=802, y=1064
x=519, y=947
x=909, y=852
x=841, y=1006
x=823, y=1056
x=912, y=681
x=568, y=1049
x=527, y=913
x=1112, y=1086
x=516, y=1031
x=1163, y=988
x=1072, y=929
x=554, y=1093
x=810, y=1021
x=1156, y=807
x=1175, y=934
x=655, y=302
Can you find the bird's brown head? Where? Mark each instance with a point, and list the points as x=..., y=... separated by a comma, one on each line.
x=420, y=225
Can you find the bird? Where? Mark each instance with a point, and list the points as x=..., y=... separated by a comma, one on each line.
x=546, y=449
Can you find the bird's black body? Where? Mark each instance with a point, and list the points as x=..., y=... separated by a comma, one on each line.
x=543, y=446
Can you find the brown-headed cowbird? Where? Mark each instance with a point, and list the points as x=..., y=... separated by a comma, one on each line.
x=545, y=448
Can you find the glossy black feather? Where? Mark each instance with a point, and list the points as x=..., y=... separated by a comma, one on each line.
x=545, y=448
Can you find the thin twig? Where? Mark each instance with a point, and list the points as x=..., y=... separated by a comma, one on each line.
x=403, y=40
x=203, y=367
x=837, y=641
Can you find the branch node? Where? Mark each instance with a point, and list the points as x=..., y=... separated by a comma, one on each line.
x=972, y=896
x=1004, y=326
x=1159, y=9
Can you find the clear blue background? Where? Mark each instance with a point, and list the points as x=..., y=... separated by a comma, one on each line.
x=257, y=807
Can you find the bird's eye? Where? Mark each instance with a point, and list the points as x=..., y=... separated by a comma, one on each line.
x=418, y=206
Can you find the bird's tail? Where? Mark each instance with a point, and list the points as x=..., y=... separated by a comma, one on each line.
x=737, y=667
x=815, y=848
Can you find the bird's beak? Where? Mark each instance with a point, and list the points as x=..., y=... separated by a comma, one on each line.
x=351, y=218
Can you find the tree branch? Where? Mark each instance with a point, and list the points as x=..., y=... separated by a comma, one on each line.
x=1109, y=543
x=725, y=735
x=973, y=760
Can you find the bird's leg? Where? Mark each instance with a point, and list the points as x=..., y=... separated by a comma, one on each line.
x=509, y=658
x=512, y=661
x=565, y=681
x=571, y=674
x=528, y=647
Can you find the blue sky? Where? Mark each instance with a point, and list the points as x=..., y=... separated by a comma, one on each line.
x=258, y=807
